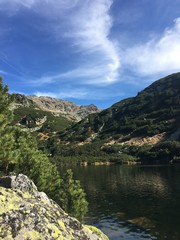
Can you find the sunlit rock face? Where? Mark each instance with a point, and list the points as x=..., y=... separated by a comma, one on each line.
x=26, y=213
x=61, y=107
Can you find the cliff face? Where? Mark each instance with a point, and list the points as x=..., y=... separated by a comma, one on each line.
x=26, y=213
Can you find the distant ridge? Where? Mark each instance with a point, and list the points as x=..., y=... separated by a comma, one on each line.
x=56, y=106
x=48, y=114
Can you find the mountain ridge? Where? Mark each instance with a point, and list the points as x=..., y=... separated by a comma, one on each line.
x=155, y=110
x=56, y=106
x=47, y=114
x=143, y=128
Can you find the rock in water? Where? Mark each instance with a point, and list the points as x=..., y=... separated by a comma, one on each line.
x=28, y=214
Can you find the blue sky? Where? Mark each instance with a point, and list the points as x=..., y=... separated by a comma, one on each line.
x=88, y=51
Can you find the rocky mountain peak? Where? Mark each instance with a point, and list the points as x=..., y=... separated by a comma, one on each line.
x=56, y=106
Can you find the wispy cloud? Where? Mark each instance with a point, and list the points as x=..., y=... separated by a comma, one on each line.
x=17, y=4
x=3, y=72
x=4, y=59
x=77, y=94
x=12, y=7
x=78, y=33
x=85, y=75
x=91, y=30
x=157, y=56
x=81, y=93
x=88, y=29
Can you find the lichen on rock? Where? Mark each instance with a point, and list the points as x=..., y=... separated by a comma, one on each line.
x=26, y=214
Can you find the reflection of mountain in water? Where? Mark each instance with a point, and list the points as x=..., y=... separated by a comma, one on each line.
x=144, y=182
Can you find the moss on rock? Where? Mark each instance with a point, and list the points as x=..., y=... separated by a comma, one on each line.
x=95, y=230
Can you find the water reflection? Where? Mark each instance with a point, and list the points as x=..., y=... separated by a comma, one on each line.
x=133, y=202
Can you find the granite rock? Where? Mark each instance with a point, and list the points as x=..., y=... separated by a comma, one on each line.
x=26, y=213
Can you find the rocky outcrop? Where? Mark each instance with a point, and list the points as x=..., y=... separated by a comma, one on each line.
x=56, y=106
x=21, y=99
x=26, y=213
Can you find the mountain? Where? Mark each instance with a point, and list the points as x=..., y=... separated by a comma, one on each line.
x=48, y=114
x=151, y=116
x=144, y=128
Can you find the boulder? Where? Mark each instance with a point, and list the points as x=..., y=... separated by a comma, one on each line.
x=28, y=214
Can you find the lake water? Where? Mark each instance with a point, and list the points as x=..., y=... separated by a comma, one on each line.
x=133, y=202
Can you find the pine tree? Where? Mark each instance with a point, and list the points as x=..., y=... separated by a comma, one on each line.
x=7, y=153
x=19, y=153
x=73, y=197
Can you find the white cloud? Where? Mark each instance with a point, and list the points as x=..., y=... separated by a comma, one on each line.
x=85, y=75
x=46, y=8
x=78, y=94
x=157, y=56
x=88, y=28
x=3, y=72
x=87, y=25
x=91, y=30
x=81, y=93
x=13, y=6
x=4, y=59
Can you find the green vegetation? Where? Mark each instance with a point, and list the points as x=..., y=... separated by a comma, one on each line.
x=28, y=116
x=19, y=153
x=153, y=111
x=90, y=153
x=73, y=197
x=97, y=151
x=164, y=152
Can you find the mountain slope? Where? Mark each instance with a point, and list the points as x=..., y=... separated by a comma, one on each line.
x=48, y=114
x=57, y=106
x=154, y=111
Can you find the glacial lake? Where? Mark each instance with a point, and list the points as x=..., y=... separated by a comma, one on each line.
x=133, y=202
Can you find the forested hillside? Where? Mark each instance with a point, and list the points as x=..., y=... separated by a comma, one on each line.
x=145, y=128
x=154, y=110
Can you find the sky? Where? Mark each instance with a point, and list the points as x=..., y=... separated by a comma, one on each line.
x=88, y=51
